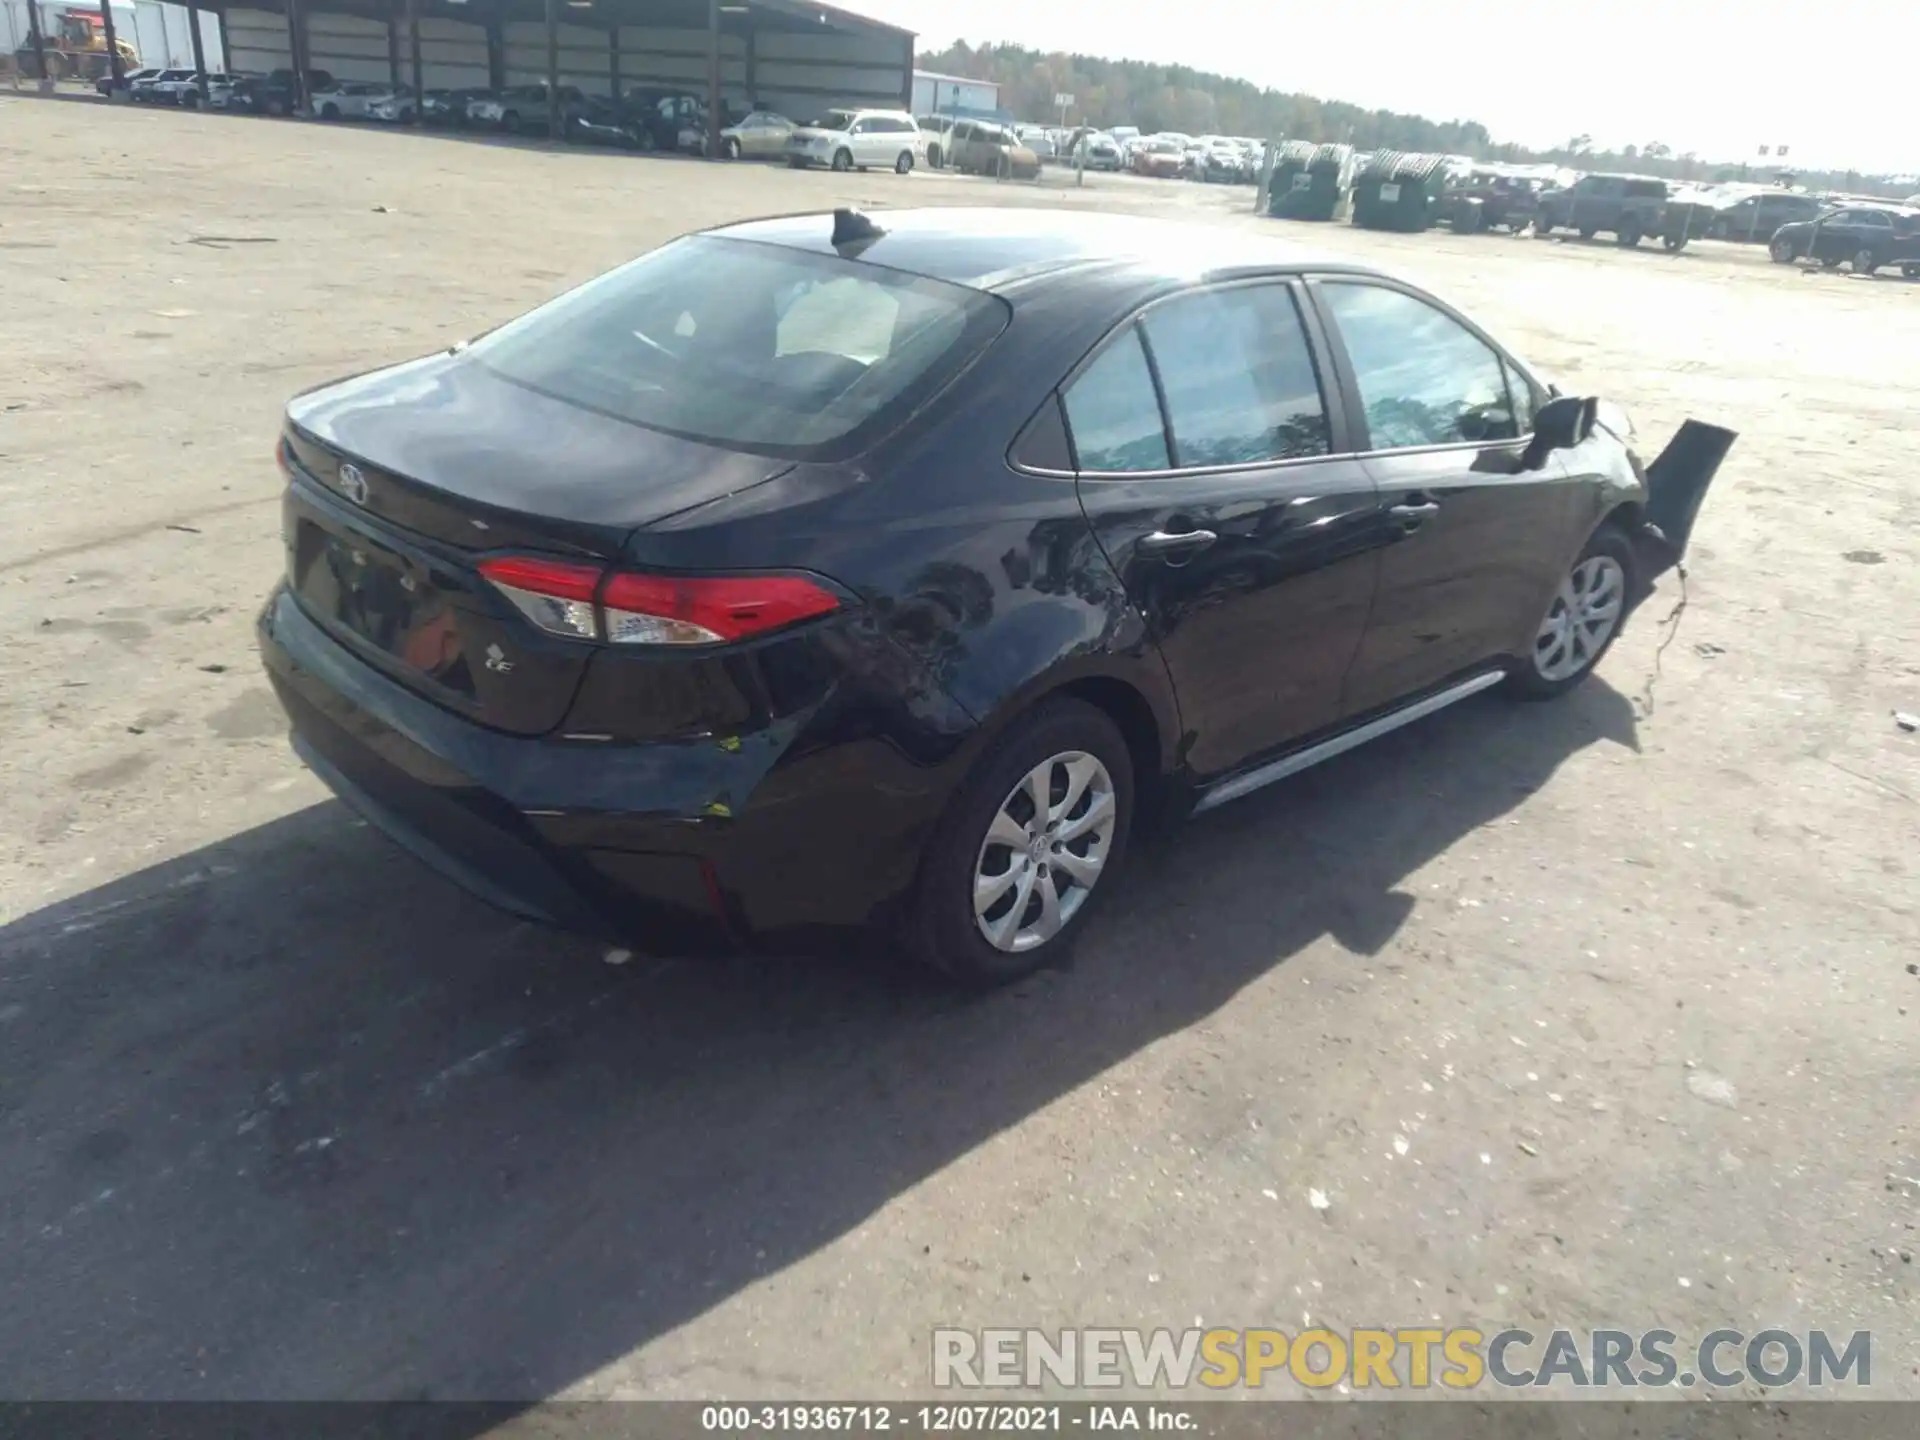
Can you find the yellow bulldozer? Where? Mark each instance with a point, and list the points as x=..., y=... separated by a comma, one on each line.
x=75, y=44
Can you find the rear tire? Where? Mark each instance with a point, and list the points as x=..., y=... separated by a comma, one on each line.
x=1583, y=618
x=1912, y=272
x=510, y=122
x=1064, y=743
x=329, y=112
x=933, y=157
x=1587, y=232
x=904, y=165
x=732, y=148
x=1864, y=262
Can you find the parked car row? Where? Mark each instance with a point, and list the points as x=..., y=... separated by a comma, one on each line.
x=643, y=118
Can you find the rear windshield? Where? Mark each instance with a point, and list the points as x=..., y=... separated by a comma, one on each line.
x=750, y=345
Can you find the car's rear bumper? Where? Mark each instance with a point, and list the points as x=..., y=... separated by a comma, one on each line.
x=686, y=846
x=508, y=817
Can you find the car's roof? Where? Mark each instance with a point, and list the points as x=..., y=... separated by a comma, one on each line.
x=990, y=246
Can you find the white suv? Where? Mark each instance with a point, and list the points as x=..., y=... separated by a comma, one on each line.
x=849, y=139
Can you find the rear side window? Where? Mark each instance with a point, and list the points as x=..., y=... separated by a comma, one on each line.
x=1424, y=378
x=1645, y=189
x=1113, y=412
x=1238, y=377
x=749, y=345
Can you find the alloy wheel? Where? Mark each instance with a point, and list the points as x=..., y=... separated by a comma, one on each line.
x=1582, y=618
x=1044, y=851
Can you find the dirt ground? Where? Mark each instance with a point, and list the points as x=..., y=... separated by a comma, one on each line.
x=1599, y=1012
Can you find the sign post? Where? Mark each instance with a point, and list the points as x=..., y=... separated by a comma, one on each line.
x=1064, y=101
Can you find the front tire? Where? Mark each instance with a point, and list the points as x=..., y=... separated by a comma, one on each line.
x=329, y=112
x=1027, y=847
x=1781, y=252
x=1582, y=619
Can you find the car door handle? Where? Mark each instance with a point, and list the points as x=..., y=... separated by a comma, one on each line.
x=1162, y=542
x=1414, y=514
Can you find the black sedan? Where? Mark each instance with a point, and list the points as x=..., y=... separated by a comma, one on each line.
x=842, y=573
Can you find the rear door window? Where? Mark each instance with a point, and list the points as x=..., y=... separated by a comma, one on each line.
x=1238, y=377
x=1113, y=411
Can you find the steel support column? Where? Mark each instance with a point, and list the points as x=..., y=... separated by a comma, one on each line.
x=413, y=59
x=297, y=56
x=114, y=67
x=34, y=38
x=199, y=49
x=716, y=116
x=393, y=43
x=553, y=71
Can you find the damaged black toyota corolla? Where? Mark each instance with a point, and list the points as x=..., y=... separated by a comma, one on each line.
x=840, y=573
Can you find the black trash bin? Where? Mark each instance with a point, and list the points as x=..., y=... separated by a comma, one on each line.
x=1396, y=191
x=1308, y=181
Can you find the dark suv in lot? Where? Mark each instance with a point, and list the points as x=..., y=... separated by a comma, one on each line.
x=1627, y=207
x=276, y=93
x=1866, y=236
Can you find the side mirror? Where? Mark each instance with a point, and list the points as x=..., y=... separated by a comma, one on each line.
x=1560, y=424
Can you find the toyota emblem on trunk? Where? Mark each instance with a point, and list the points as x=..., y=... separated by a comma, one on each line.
x=353, y=484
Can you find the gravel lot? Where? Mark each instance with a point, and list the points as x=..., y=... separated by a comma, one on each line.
x=284, y=1115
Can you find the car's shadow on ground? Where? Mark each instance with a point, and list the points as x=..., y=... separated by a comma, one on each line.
x=291, y=1117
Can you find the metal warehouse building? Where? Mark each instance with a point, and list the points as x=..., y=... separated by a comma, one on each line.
x=783, y=55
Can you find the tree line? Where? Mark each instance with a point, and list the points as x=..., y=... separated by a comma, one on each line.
x=1197, y=102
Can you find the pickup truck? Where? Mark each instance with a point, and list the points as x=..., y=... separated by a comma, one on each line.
x=1627, y=207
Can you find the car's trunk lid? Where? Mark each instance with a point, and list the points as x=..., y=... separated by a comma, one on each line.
x=401, y=481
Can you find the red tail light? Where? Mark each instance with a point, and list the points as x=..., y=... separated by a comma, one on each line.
x=584, y=602
x=553, y=594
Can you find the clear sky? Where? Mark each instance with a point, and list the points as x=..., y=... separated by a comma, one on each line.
x=1838, y=82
